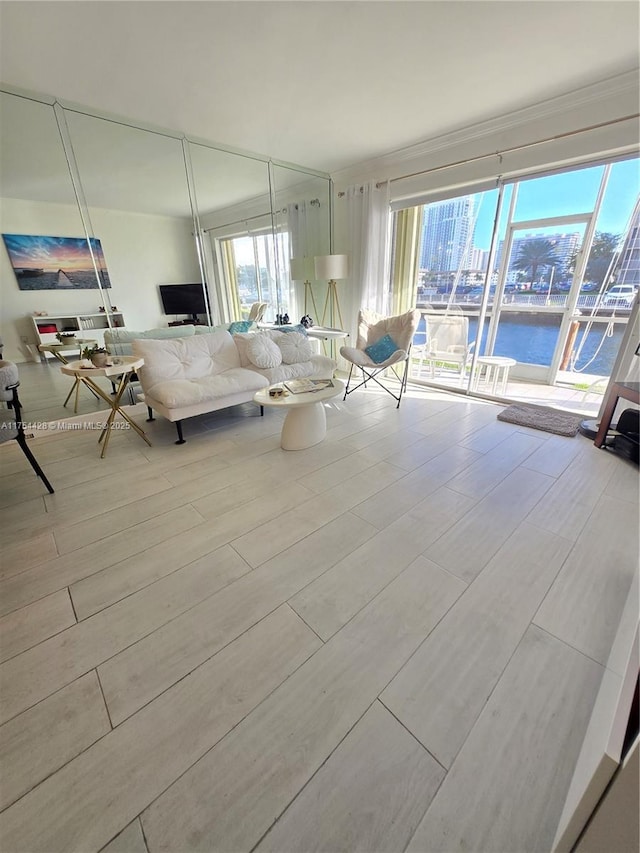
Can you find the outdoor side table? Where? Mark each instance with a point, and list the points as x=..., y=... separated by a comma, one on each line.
x=121, y=371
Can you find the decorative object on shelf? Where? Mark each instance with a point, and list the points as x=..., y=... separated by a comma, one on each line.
x=98, y=356
x=56, y=263
x=282, y=320
x=302, y=269
x=306, y=321
x=333, y=268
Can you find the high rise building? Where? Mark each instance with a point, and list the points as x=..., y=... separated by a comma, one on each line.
x=565, y=245
x=447, y=234
x=628, y=271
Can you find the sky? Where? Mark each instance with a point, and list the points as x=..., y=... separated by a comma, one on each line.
x=566, y=194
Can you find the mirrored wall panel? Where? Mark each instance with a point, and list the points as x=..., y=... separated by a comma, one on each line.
x=233, y=203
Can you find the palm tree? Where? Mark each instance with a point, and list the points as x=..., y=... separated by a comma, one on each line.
x=534, y=254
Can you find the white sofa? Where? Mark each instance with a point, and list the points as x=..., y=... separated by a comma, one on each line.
x=185, y=377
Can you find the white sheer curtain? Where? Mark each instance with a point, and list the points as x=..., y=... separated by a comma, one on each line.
x=305, y=222
x=370, y=246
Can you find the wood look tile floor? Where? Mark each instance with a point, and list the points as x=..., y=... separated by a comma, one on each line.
x=390, y=641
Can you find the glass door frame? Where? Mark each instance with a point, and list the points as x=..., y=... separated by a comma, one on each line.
x=542, y=373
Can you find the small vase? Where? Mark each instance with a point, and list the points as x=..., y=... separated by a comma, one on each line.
x=99, y=359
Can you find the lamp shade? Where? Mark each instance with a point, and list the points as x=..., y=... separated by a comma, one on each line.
x=301, y=269
x=332, y=266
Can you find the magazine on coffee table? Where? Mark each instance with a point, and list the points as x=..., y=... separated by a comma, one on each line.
x=306, y=386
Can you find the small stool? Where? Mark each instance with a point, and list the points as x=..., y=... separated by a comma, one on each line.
x=496, y=371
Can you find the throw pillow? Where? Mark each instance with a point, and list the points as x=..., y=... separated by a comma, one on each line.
x=382, y=349
x=240, y=326
x=263, y=352
x=295, y=348
x=296, y=327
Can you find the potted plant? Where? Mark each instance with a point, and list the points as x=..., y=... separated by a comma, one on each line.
x=65, y=337
x=97, y=355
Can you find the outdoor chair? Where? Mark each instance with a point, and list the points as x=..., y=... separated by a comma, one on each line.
x=383, y=342
x=11, y=419
x=256, y=312
x=447, y=345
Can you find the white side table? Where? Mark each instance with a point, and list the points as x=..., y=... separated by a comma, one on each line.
x=120, y=370
x=58, y=351
x=496, y=371
x=306, y=421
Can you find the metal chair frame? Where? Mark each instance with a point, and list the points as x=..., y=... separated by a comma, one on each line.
x=366, y=376
x=21, y=438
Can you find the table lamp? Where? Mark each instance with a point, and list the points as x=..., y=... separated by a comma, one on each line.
x=301, y=269
x=331, y=267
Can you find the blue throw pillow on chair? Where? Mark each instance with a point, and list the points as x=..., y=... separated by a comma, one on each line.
x=382, y=349
x=241, y=326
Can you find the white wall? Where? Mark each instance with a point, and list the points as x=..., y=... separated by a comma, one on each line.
x=141, y=252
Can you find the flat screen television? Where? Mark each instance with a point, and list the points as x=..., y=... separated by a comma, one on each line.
x=183, y=299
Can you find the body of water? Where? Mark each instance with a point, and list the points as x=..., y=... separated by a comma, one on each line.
x=532, y=342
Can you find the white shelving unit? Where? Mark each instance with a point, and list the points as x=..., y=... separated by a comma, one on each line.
x=84, y=325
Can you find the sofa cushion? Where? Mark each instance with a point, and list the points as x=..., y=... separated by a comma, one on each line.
x=263, y=352
x=179, y=393
x=185, y=358
x=294, y=348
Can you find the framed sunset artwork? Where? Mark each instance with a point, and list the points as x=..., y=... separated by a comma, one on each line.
x=56, y=263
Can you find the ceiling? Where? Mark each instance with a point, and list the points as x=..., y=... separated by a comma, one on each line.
x=323, y=84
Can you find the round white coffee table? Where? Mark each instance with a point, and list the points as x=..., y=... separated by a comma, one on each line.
x=496, y=371
x=306, y=421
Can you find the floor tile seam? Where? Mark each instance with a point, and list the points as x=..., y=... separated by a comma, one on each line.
x=316, y=530
x=484, y=457
x=586, y=516
x=302, y=619
x=491, y=693
x=311, y=778
x=197, y=666
x=222, y=737
x=368, y=601
x=168, y=575
x=371, y=464
x=381, y=591
x=102, y=661
x=188, y=502
x=92, y=574
x=569, y=645
x=412, y=735
x=32, y=566
x=123, y=497
x=44, y=639
x=56, y=769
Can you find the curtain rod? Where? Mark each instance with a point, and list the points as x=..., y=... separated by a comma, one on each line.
x=506, y=150
x=314, y=201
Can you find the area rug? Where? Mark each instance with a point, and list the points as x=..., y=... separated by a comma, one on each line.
x=542, y=417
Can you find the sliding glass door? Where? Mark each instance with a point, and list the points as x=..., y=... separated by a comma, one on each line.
x=542, y=271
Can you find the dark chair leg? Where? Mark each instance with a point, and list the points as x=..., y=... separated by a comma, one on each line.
x=39, y=472
x=180, y=437
x=150, y=412
x=261, y=411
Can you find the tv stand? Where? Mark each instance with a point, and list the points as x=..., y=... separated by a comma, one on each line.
x=187, y=323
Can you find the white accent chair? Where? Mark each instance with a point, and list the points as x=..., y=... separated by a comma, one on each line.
x=372, y=328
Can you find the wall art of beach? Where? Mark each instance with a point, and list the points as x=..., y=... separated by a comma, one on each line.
x=56, y=263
